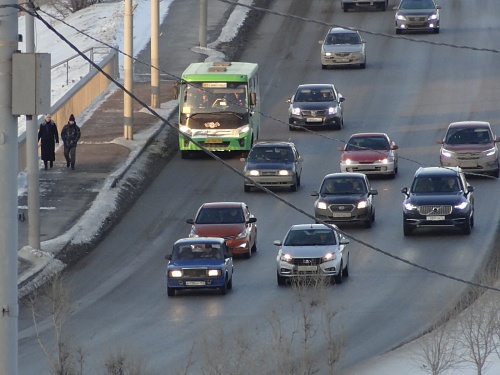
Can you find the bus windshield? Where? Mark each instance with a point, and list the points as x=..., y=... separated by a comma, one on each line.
x=216, y=97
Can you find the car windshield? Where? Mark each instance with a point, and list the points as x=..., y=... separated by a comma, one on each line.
x=310, y=237
x=315, y=95
x=220, y=215
x=438, y=184
x=343, y=186
x=367, y=143
x=342, y=38
x=197, y=251
x=416, y=4
x=270, y=154
x=468, y=136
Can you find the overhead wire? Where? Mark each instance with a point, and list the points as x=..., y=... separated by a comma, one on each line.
x=34, y=13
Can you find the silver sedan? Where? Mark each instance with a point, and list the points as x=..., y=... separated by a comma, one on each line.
x=342, y=47
x=312, y=250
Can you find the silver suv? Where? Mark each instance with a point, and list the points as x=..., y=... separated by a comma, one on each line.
x=472, y=146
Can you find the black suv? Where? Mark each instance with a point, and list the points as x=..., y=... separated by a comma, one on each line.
x=316, y=105
x=438, y=197
x=273, y=164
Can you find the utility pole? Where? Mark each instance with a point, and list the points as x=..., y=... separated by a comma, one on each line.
x=128, y=81
x=155, y=61
x=9, y=309
x=203, y=23
x=32, y=151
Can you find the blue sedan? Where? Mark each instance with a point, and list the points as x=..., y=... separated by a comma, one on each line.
x=199, y=263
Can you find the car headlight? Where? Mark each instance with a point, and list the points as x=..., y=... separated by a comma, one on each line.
x=348, y=161
x=296, y=111
x=185, y=129
x=244, y=129
x=461, y=205
x=214, y=273
x=362, y=204
x=193, y=232
x=384, y=161
x=329, y=256
x=410, y=206
x=433, y=17
x=284, y=172
x=286, y=258
x=400, y=17
x=446, y=153
x=243, y=234
x=327, y=54
x=489, y=152
x=321, y=205
x=253, y=172
x=175, y=273
x=332, y=110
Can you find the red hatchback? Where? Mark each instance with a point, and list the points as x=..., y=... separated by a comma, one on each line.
x=370, y=153
x=232, y=221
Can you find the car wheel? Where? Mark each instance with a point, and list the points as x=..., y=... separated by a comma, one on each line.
x=184, y=154
x=345, y=8
x=230, y=283
x=254, y=247
x=407, y=230
x=340, y=125
x=398, y=31
x=472, y=221
x=170, y=292
x=280, y=279
x=383, y=6
x=223, y=289
x=362, y=66
x=323, y=66
x=247, y=188
x=368, y=223
x=298, y=180
x=345, y=271
x=339, y=277
x=294, y=185
x=436, y=31
x=496, y=173
x=249, y=254
x=467, y=227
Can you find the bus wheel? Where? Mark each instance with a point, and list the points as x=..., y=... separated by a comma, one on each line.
x=184, y=154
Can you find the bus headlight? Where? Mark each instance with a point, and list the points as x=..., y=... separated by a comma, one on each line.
x=244, y=129
x=185, y=129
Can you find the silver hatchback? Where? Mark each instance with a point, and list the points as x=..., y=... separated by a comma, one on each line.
x=472, y=146
x=342, y=47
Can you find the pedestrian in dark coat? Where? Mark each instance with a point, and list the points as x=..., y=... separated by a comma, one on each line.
x=70, y=135
x=48, y=137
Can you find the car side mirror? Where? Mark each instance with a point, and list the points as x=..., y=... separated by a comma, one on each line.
x=289, y=100
x=470, y=189
x=341, y=99
x=277, y=243
x=404, y=191
x=373, y=192
x=394, y=147
x=190, y=221
x=300, y=159
x=168, y=256
x=252, y=220
x=320, y=41
x=438, y=6
x=440, y=141
x=341, y=148
x=344, y=241
x=314, y=194
x=497, y=139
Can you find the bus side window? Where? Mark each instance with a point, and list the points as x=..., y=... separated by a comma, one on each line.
x=253, y=99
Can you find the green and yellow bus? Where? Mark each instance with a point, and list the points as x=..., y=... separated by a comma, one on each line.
x=219, y=106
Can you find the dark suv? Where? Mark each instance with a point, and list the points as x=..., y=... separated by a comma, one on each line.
x=438, y=197
x=273, y=164
x=316, y=105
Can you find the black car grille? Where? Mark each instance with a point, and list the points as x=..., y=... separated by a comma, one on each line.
x=320, y=112
x=194, y=272
x=306, y=261
x=341, y=207
x=468, y=156
x=343, y=54
x=434, y=210
x=417, y=19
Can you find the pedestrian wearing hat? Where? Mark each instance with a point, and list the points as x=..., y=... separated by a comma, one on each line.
x=70, y=135
x=48, y=137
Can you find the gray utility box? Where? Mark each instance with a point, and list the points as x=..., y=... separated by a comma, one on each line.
x=31, y=94
x=351, y=4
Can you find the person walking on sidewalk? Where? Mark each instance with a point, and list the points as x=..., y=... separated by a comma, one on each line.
x=48, y=137
x=70, y=135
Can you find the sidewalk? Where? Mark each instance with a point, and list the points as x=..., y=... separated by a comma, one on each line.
x=103, y=158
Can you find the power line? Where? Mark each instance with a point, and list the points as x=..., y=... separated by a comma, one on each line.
x=217, y=158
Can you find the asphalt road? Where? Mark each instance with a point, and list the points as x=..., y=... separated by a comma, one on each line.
x=410, y=90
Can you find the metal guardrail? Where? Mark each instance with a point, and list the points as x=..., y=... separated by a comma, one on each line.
x=92, y=52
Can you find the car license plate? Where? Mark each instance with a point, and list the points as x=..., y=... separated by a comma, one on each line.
x=213, y=140
x=341, y=214
x=195, y=283
x=468, y=164
x=314, y=119
x=342, y=60
x=435, y=218
x=307, y=268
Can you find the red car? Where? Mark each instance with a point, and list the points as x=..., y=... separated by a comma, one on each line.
x=370, y=153
x=229, y=220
